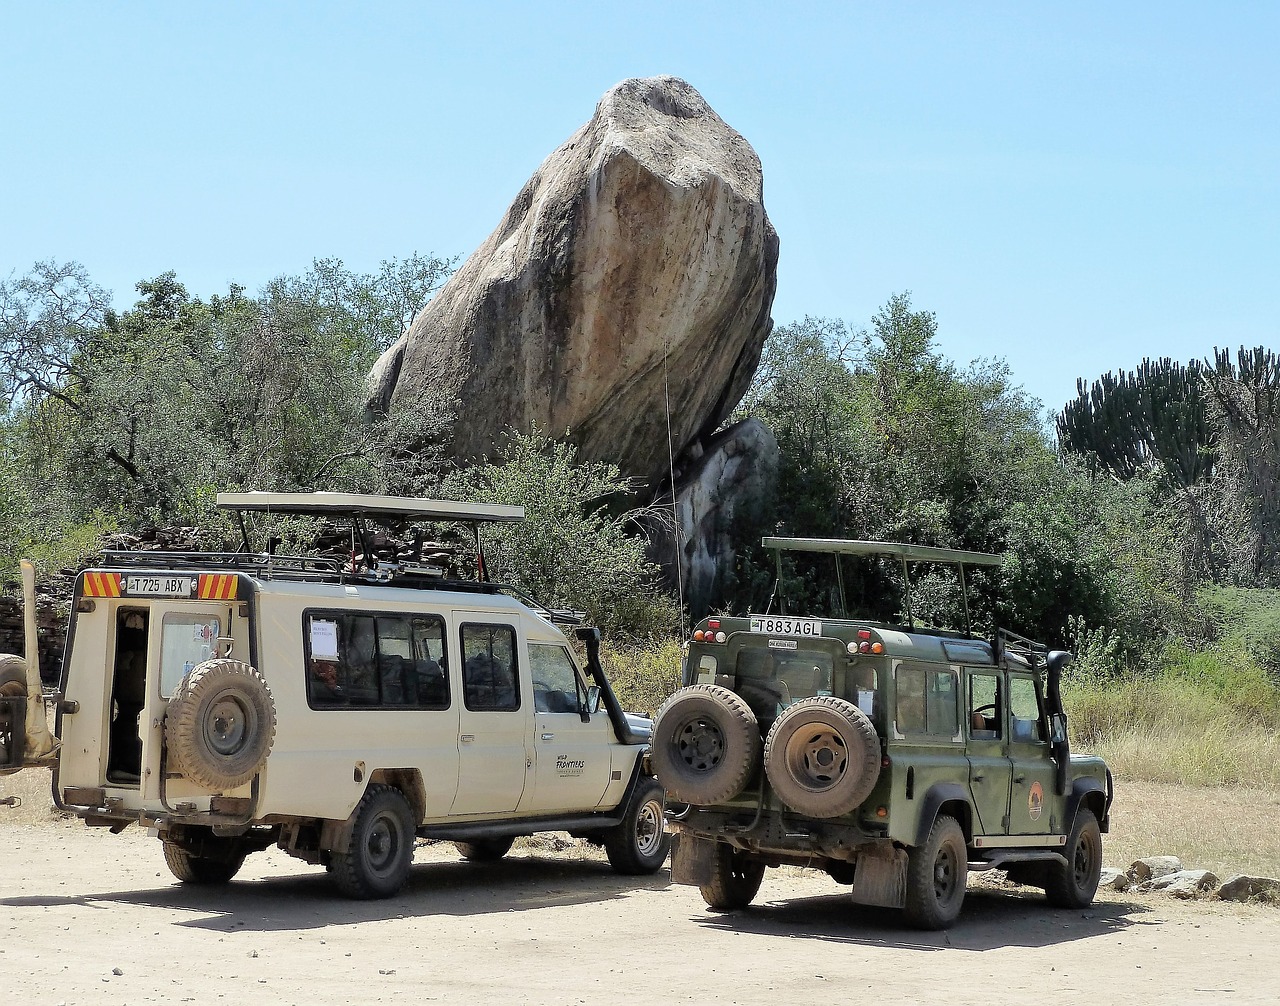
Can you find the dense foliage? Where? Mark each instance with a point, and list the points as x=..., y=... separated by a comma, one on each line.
x=882, y=438
x=142, y=417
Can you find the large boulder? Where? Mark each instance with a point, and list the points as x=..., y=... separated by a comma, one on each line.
x=722, y=488
x=630, y=280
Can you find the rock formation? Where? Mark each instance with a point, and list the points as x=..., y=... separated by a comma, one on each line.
x=717, y=494
x=636, y=267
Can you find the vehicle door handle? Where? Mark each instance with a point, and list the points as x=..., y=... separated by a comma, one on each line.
x=547, y=737
x=1019, y=779
x=467, y=738
x=978, y=777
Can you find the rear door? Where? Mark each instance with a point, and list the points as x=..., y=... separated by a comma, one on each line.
x=494, y=719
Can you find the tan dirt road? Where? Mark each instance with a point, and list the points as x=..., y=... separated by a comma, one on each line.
x=78, y=905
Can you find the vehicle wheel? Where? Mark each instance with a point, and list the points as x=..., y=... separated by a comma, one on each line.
x=484, y=850
x=13, y=675
x=375, y=863
x=822, y=756
x=1073, y=884
x=220, y=724
x=204, y=870
x=735, y=880
x=706, y=741
x=937, y=873
x=639, y=844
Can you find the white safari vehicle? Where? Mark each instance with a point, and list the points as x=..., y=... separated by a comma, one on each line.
x=333, y=708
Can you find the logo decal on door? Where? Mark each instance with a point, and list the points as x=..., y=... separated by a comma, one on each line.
x=1035, y=801
x=569, y=768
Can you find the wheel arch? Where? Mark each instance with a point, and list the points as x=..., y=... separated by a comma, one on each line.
x=409, y=782
x=1089, y=793
x=945, y=798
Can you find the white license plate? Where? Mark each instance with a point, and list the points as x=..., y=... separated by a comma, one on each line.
x=158, y=586
x=777, y=625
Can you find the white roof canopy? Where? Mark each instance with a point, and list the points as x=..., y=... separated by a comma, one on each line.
x=347, y=504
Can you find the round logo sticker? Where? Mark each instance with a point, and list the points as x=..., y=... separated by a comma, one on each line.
x=1035, y=801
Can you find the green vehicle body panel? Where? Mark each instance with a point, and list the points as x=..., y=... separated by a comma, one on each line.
x=1007, y=784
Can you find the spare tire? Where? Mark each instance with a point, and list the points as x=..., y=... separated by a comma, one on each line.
x=220, y=724
x=822, y=756
x=13, y=675
x=706, y=742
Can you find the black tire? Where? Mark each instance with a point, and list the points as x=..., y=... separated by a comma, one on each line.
x=201, y=870
x=1073, y=884
x=375, y=863
x=735, y=880
x=640, y=843
x=937, y=874
x=485, y=850
x=13, y=675
x=822, y=756
x=220, y=725
x=706, y=742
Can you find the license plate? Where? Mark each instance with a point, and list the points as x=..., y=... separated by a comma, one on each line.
x=159, y=586
x=776, y=625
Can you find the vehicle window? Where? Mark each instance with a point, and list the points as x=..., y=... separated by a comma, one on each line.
x=926, y=700
x=556, y=688
x=1024, y=710
x=489, y=681
x=985, y=718
x=375, y=661
x=187, y=639
x=788, y=674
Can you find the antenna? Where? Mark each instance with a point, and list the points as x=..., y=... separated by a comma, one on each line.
x=675, y=514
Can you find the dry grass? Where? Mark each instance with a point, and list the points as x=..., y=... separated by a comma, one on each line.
x=645, y=674
x=1226, y=829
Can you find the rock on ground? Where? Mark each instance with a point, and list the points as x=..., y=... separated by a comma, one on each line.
x=631, y=278
x=1244, y=888
x=1153, y=867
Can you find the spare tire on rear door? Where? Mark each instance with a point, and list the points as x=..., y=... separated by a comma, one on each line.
x=706, y=742
x=220, y=724
x=822, y=756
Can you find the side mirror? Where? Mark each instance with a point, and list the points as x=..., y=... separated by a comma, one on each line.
x=593, y=699
x=1057, y=728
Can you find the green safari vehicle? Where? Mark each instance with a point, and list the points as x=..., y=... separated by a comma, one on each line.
x=896, y=758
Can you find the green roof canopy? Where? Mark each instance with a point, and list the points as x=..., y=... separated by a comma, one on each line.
x=916, y=553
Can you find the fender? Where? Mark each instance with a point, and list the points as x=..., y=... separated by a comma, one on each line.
x=1079, y=789
x=939, y=794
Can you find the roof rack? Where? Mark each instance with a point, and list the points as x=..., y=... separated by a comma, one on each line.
x=359, y=508
x=900, y=550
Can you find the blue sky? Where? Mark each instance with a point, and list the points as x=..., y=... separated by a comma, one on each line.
x=1070, y=187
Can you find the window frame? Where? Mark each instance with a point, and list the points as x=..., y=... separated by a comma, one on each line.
x=927, y=735
x=336, y=614
x=515, y=666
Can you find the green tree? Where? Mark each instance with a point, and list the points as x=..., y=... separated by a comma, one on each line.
x=144, y=416
x=571, y=551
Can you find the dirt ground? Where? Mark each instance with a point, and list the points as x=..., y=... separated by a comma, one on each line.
x=90, y=917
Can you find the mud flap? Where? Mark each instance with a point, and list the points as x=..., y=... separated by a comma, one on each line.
x=692, y=860
x=881, y=880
